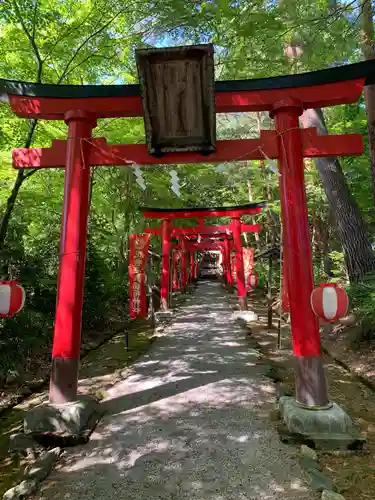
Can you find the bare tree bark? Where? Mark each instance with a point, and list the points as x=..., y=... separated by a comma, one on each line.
x=250, y=195
x=359, y=256
x=369, y=53
x=21, y=177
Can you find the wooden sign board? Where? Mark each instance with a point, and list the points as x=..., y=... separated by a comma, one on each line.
x=178, y=95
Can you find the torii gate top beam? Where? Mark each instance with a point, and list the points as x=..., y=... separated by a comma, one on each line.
x=188, y=213
x=209, y=238
x=202, y=246
x=204, y=230
x=342, y=85
x=328, y=87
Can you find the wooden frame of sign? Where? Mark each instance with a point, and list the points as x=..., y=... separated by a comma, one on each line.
x=178, y=97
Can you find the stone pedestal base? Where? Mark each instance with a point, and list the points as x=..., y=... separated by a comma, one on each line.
x=329, y=429
x=245, y=317
x=177, y=298
x=69, y=419
x=163, y=317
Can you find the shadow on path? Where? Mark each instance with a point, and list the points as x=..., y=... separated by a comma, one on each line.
x=191, y=422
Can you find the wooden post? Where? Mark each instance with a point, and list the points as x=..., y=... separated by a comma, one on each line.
x=269, y=291
x=68, y=319
x=311, y=386
x=192, y=262
x=171, y=277
x=241, y=285
x=165, y=265
x=184, y=264
x=150, y=283
x=228, y=270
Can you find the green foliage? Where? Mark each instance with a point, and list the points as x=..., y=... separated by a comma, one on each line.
x=338, y=265
x=362, y=302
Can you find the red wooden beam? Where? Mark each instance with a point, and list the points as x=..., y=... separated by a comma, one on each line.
x=188, y=214
x=155, y=231
x=315, y=96
x=200, y=247
x=210, y=230
x=250, y=228
x=203, y=244
x=192, y=236
x=208, y=237
x=207, y=247
x=128, y=154
x=205, y=230
x=315, y=145
x=230, y=150
x=52, y=108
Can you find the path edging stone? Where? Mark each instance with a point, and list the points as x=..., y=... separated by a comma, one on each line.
x=33, y=475
x=331, y=495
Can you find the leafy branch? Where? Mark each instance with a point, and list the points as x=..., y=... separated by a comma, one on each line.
x=86, y=41
x=31, y=37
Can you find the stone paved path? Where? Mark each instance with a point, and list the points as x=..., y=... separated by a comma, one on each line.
x=190, y=423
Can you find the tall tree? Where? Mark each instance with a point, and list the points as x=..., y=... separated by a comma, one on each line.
x=359, y=256
x=369, y=54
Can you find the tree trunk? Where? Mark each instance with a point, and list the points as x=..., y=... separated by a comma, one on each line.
x=250, y=195
x=273, y=224
x=9, y=206
x=21, y=177
x=368, y=53
x=359, y=257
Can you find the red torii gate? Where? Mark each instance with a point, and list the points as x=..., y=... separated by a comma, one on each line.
x=214, y=241
x=235, y=212
x=202, y=230
x=284, y=97
x=225, y=244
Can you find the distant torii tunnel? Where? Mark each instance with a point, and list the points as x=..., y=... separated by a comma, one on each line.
x=236, y=226
x=218, y=242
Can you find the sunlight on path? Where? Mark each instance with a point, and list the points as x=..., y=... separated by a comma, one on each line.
x=191, y=422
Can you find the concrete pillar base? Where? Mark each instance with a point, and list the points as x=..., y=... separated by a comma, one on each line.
x=163, y=317
x=68, y=419
x=177, y=298
x=330, y=428
x=242, y=302
x=245, y=317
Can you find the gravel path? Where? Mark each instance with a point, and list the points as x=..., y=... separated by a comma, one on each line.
x=190, y=423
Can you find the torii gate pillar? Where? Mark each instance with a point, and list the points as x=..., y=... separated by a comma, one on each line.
x=68, y=320
x=192, y=265
x=227, y=263
x=165, y=264
x=184, y=264
x=311, y=385
x=241, y=285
